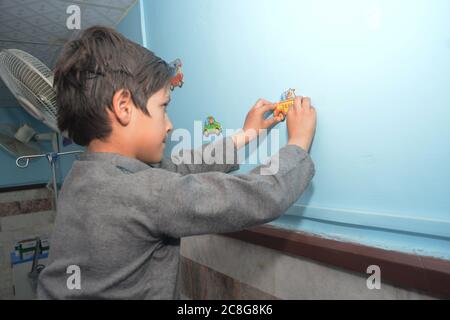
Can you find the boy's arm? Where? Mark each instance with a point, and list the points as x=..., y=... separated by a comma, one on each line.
x=216, y=202
x=220, y=155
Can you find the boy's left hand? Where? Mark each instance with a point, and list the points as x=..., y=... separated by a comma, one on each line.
x=255, y=121
x=255, y=118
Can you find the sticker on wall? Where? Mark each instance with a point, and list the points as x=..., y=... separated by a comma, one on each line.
x=177, y=74
x=211, y=126
x=282, y=107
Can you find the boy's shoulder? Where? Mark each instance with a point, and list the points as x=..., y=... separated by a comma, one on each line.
x=104, y=174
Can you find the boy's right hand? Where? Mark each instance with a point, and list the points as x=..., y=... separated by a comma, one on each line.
x=301, y=123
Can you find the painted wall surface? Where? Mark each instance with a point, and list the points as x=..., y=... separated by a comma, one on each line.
x=378, y=73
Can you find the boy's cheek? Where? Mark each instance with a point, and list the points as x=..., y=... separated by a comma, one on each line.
x=151, y=136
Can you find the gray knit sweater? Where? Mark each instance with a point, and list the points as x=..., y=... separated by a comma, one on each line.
x=120, y=220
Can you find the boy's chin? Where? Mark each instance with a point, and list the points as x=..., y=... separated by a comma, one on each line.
x=154, y=157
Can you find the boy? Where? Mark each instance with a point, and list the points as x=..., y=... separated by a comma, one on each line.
x=124, y=207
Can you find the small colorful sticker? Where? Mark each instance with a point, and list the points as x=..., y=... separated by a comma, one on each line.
x=177, y=74
x=282, y=107
x=211, y=126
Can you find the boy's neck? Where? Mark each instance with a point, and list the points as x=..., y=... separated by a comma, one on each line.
x=107, y=146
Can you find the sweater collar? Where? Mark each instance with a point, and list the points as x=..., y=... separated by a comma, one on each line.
x=127, y=164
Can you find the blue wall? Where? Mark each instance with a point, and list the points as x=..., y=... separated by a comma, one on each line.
x=378, y=73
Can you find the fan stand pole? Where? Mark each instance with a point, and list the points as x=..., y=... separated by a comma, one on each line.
x=52, y=157
x=52, y=160
x=53, y=165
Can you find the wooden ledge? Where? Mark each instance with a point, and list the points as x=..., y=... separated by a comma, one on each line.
x=409, y=271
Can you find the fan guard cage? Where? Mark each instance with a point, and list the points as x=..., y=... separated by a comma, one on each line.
x=31, y=82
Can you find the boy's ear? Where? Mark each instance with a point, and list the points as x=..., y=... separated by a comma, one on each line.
x=122, y=106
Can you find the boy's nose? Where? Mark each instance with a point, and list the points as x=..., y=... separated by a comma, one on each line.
x=169, y=126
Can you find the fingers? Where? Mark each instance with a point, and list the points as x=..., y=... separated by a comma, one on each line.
x=271, y=121
x=306, y=103
x=298, y=102
x=268, y=107
x=261, y=102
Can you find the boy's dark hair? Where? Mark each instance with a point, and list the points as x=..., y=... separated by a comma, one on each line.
x=91, y=69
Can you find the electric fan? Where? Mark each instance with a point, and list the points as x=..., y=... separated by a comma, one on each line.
x=31, y=82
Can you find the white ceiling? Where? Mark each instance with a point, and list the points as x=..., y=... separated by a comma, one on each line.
x=39, y=27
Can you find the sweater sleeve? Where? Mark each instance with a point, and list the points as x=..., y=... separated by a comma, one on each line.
x=215, y=202
x=220, y=155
